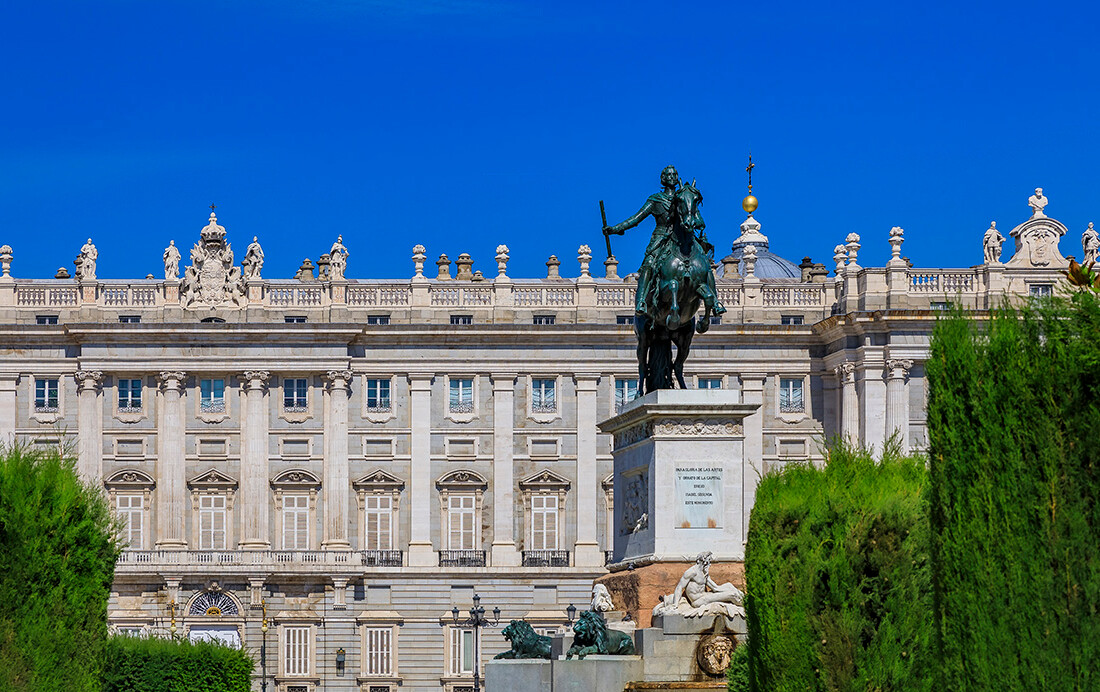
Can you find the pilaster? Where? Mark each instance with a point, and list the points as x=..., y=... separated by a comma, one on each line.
x=897, y=400
x=89, y=423
x=171, y=472
x=849, y=401
x=254, y=446
x=587, y=548
x=752, y=392
x=8, y=385
x=421, y=550
x=336, y=488
x=504, y=553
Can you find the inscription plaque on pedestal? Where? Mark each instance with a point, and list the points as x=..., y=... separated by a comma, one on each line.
x=699, y=502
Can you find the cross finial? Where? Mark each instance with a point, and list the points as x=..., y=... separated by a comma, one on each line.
x=748, y=169
x=214, y=206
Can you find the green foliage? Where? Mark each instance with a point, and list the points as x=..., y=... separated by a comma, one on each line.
x=1013, y=414
x=838, y=582
x=170, y=665
x=57, y=561
x=737, y=675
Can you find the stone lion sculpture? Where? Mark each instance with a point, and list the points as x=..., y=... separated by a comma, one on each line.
x=526, y=643
x=591, y=636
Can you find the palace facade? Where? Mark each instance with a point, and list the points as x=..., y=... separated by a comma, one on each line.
x=321, y=468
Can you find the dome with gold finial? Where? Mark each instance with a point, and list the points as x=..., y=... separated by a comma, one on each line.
x=768, y=264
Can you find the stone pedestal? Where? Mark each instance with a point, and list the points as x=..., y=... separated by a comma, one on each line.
x=593, y=674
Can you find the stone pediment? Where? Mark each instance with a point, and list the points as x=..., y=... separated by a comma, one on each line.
x=1037, y=244
x=544, y=480
x=295, y=479
x=212, y=480
x=463, y=479
x=379, y=480
x=130, y=479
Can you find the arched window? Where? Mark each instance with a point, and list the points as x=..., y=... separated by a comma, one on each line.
x=213, y=320
x=213, y=603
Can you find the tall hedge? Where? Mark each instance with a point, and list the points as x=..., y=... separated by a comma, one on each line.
x=1014, y=438
x=57, y=561
x=173, y=665
x=838, y=583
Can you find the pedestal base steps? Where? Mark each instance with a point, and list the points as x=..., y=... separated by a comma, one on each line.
x=637, y=591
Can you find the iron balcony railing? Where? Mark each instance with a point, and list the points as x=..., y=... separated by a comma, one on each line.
x=545, y=558
x=382, y=558
x=461, y=558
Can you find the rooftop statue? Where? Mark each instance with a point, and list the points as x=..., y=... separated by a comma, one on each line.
x=338, y=258
x=253, y=260
x=1090, y=243
x=88, y=256
x=674, y=279
x=171, y=262
x=991, y=243
x=1037, y=202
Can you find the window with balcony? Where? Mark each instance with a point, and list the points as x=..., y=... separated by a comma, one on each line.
x=378, y=319
x=710, y=383
x=212, y=396
x=543, y=395
x=543, y=319
x=212, y=522
x=129, y=319
x=461, y=395
x=295, y=522
x=378, y=522
x=544, y=522
x=462, y=319
x=294, y=319
x=295, y=394
x=131, y=511
x=791, y=320
x=378, y=395
x=543, y=500
x=460, y=496
x=129, y=395
x=45, y=319
x=297, y=647
x=379, y=494
x=790, y=395
x=626, y=390
x=461, y=520
x=378, y=651
x=46, y=395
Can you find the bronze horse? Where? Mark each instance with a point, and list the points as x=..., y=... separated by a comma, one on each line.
x=683, y=281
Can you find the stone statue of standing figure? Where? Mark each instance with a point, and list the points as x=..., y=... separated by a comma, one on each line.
x=88, y=256
x=1090, y=244
x=697, y=594
x=992, y=242
x=171, y=262
x=338, y=256
x=253, y=260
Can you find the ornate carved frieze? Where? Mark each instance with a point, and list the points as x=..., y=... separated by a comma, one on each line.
x=636, y=433
x=698, y=427
x=212, y=280
x=255, y=379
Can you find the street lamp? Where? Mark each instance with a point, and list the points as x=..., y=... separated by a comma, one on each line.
x=263, y=647
x=476, y=621
x=571, y=612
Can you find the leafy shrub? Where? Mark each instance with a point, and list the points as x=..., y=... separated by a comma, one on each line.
x=57, y=561
x=737, y=675
x=1013, y=417
x=175, y=665
x=838, y=583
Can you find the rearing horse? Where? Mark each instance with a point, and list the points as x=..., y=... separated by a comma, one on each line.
x=682, y=280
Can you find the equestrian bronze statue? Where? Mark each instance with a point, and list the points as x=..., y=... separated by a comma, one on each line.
x=674, y=280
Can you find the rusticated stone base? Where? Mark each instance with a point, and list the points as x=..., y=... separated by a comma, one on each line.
x=637, y=591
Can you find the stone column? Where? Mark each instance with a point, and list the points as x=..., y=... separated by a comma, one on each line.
x=254, y=447
x=897, y=400
x=336, y=461
x=752, y=392
x=89, y=425
x=504, y=552
x=849, y=402
x=8, y=384
x=587, y=548
x=171, y=473
x=421, y=550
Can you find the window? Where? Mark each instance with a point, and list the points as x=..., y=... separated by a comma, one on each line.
x=377, y=651
x=543, y=319
x=543, y=399
x=462, y=395
x=462, y=319
x=710, y=383
x=460, y=522
x=130, y=631
x=212, y=522
x=296, y=645
x=790, y=395
x=791, y=320
x=624, y=319
x=45, y=319
x=626, y=390
x=1040, y=290
x=544, y=522
x=294, y=319
x=378, y=520
x=716, y=319
x=378, y=395
x=131, y=512
x=129, y=395
x=45, y=395
x=378, y=319
x=296, y=522
x=295, y=391
x=462, y=652
x=212, y=396
x=129, y=319
x=940, y=305
x=212, y=320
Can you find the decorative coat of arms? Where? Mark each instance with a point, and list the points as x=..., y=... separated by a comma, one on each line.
x=212, y=280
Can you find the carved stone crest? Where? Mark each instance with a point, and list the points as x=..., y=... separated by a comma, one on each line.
x=714, y=653
x=212, y=280
x=1037, y=238
x=635, y=504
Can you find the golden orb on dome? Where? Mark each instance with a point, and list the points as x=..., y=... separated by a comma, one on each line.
x=749, y=204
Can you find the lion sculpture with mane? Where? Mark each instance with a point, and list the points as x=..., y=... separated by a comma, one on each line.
x=526, y=642
x=591, y=636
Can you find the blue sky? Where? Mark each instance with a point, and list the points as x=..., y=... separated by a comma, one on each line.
x=462, y=124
